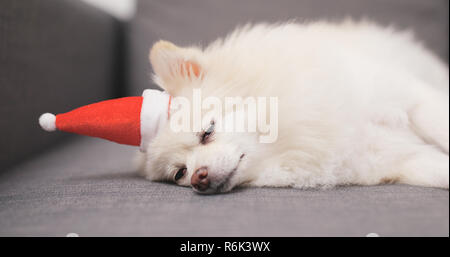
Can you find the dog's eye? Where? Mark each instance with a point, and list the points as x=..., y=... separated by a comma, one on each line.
x=180, y=173
x=207, y=133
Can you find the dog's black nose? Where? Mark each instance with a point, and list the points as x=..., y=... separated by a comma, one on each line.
x=199, y=179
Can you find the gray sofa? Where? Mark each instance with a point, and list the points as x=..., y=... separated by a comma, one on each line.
x=59, y=54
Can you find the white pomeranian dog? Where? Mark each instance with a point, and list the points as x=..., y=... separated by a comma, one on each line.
x=357, y=105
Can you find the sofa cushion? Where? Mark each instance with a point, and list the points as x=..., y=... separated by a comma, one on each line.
x=54, y=55
x=89, y=187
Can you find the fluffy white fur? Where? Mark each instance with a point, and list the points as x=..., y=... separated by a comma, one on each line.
x=358, y=104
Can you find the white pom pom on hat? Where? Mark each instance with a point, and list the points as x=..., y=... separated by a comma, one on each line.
x=48, y=122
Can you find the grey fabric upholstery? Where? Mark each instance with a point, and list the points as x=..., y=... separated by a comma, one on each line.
x=88, y=187
x=201, y=21
x=54, y=55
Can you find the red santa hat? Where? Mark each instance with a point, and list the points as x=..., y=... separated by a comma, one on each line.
x=131, y=120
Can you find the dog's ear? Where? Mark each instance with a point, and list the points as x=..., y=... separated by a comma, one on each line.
x=175, y=66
